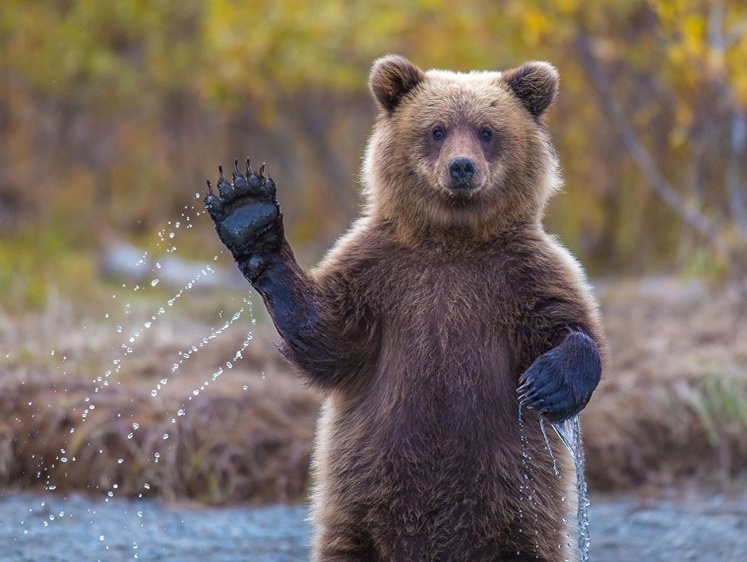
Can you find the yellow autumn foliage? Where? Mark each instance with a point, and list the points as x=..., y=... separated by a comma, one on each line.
x=114, y=113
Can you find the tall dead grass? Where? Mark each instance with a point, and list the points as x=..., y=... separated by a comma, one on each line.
x=674, y=404
x=251, y=447
x=672, y=408
x=65, y=424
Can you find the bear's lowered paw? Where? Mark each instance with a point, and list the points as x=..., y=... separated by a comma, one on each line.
x=560, y=382
x=247, y=216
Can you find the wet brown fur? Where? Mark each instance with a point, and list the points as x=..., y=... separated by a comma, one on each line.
x=439, y=302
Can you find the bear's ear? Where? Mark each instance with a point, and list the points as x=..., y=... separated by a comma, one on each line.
x=391, y=78
x=535, y=83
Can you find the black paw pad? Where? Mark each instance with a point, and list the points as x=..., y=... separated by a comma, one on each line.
x=244, y=209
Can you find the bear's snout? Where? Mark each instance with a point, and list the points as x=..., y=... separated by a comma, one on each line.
x=461, y=170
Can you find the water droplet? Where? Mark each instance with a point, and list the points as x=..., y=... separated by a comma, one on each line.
x=153, y=392
x=154, y=283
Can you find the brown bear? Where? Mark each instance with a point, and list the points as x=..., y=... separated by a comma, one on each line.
x=443, y=310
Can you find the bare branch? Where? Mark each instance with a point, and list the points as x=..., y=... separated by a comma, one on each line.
x=718, y=44
x=734, y=175
x=638, y=152
x=716, y=38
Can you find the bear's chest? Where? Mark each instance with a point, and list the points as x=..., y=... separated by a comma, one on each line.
x=447, y=308
x=446, y=329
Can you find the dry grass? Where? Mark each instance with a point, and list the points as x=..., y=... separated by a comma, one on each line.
x=253, y=446
x=673, y=407
x=212, y=433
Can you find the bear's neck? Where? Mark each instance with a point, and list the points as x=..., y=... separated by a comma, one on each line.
x=456, y=237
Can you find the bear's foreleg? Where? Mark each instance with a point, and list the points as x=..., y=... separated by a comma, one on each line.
x=249, y=222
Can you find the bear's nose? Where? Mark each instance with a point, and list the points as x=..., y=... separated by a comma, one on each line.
x=462, y=169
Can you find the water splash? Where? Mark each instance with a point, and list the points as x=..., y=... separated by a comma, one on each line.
x=188, y=353
x=131, y=325
x=570, y=433
x=228, y=364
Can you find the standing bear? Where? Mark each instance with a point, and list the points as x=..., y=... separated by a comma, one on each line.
x=439, y=328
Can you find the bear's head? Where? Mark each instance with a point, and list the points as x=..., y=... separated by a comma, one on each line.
x=460, y=152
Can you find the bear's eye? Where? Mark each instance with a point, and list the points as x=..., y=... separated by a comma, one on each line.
x=486, y=134
x=438, y=133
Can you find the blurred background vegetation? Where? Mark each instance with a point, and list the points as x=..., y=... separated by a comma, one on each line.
x=113, y=114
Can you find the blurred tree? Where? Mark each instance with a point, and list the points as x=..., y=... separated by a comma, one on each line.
x=96, y=94
x=113, y=114
x=683, y=120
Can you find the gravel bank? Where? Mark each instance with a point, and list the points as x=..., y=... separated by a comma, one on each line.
x=51, y=528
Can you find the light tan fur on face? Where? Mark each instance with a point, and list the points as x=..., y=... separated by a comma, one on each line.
x=406, y=178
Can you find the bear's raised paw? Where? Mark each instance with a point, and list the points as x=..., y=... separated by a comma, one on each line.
x=246, y=213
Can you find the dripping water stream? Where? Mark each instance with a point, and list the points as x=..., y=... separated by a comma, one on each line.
x=570, y=433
